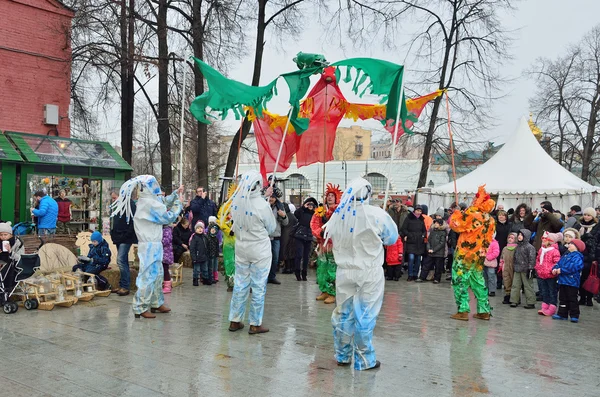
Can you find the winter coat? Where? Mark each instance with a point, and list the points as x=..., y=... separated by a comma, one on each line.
x=288, y=243
x=199, y=248
x=507, y=258
x=590, y=238
x=517, y=222
x=436, y=241
x=201, y=209
x=502, y=232
x=573, y=220
x=413, y=232
x=393, y=254
x=546, y=259
x=47, y=213
x=491, y=257
x=100, y=254
x=570, y=266
x=524, y=253
x=276, y=235
x=213, y=246
x=123, y=232
x=167, y=242
x=303, y=231
x=452, y=241
x=181, y=236
x=64, y=206
x=398, y=216
x=544, y=222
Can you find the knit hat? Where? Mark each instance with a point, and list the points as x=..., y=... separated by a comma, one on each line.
x=576, y=208
x=418, y=207
x=554, y=237
x=212, y=219
x=574, y=233
x=590, y=211
x=408, y=203
x=5, y=227
x=199, y=224
x=548, y=207
x=311, y=200
x=440, y=212
x=514, y=234
x=579, y=244
x=96, y=236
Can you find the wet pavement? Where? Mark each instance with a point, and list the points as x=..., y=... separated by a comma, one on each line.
x=99, y=349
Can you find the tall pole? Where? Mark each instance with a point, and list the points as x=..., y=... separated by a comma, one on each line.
x=400, y=103
x=181, y=123
x=325, y=139
x=287, y=125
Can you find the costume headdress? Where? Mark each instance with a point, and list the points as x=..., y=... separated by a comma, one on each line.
x=343, y=220
x=483, y=201
x=122, y=205
x=335, y=189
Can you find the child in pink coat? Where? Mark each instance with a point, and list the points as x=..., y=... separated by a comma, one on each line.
x=547, y=257
x=491, y=263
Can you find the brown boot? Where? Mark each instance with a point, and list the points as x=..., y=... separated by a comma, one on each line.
x=330, y=299
x=145, y=314
x=323, y=296
x=482, y=316
x=235, y=326
x=122, y=292
x=464, y=316
x=257, y=329
x=161, y=309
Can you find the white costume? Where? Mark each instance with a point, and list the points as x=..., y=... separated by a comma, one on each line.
x=253, y=222
x=358, y=232
x=152, y=212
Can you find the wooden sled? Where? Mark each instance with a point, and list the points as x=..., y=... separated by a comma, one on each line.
x=176, y=271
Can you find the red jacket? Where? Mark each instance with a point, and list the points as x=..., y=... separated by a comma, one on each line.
x=64, y=215
x=393, y=254
x=319, y=218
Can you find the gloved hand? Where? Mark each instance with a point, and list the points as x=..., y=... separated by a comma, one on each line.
x=231, y=233
x=529, y=274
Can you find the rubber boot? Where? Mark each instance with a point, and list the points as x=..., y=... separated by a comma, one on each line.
x=167, y=286
x=216, y=276
x=551, y=310
x=543, y=310
x=304, y=272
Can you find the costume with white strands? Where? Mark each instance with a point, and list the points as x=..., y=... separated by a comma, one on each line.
x=253, y=222
x=152, y=211
x=358, y=231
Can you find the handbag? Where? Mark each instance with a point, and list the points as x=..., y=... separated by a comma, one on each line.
x=592, y=284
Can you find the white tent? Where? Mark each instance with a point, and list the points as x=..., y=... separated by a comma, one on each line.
x=520, y=172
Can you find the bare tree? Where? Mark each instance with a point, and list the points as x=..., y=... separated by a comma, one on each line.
x=567, y=104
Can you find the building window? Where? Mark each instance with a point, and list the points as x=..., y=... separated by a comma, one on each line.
x=294, y=181
x=358, y=148
x=378, y=181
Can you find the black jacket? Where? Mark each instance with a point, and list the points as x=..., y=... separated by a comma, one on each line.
x=201, y=209
x=199, y=248
x=181, y=236
x=123, y=232
x=303, y=231
x=502, y=232
x=414, y=231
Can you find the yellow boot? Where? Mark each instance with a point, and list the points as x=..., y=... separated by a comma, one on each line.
x=323, y=296
x=330, y=299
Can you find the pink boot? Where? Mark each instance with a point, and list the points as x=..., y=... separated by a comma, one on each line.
x=167, y=287
x=544, y=309
x=216, y=276
x=551, y=310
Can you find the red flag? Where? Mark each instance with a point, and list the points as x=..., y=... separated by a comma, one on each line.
x=268, y=131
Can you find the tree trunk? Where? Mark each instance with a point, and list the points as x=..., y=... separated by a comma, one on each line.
x=130, y=93
x=126, y=139
x=261, y=26
x=163, y=99
x=202, y=145
x=588, y=146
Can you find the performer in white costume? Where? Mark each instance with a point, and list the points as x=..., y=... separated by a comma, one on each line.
x=152, y=212
x=358, y=231
x=253, y=222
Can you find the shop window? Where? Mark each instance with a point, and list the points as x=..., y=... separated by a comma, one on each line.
x=377, y=181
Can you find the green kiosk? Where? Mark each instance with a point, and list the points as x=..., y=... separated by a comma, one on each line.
x=86, y=170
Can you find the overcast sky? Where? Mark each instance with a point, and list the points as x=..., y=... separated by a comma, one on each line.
x=543, y=28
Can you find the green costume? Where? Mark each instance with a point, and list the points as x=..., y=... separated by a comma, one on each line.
x=326, y=268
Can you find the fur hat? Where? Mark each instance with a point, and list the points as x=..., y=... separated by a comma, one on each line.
x=573, y=232
x=96, y=236
x=5, y=227
x=590, y=211
x=311, y=200
x=554, y=237
x=579, y=244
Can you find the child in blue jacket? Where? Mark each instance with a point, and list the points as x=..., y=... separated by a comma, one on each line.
x=98, y=260
x=568, y=270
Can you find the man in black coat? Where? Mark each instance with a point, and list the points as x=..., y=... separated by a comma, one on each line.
x=413, y=232
x=123, y=236
x=202, y=207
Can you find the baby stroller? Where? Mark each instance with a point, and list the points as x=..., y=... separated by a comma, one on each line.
x=10, y=276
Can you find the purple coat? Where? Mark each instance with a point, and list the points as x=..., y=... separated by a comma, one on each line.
x=167, y=242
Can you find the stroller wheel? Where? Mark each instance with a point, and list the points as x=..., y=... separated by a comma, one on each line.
x=36, y=304
x=29, y=304
x=7, y=307
x=15, y=307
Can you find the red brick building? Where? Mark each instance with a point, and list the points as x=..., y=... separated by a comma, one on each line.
x=35, y=66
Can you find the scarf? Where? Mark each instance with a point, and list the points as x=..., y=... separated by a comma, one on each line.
x=511, y=247
x=543, y=253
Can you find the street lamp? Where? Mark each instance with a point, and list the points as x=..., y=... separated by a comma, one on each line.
x=431, y=185
x=345, y=168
